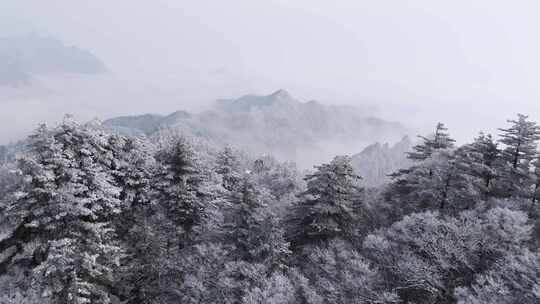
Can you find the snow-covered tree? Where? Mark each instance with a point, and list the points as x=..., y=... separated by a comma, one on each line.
x=536, y=183
x=326, y=209
x=512, y=279
x=277, y=289
x=178, y=188
x=440, y=140
x=480, y=160
x=439, y=182
x=65, y=206
x=519, y=149
x=229, y=167
x=253, y=229
x=244, y=228
x=426, y=255
x=341, y=275
x=434, y=180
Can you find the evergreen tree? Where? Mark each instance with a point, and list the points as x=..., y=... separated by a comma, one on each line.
x=179, y=188
x=65, y=206
x=151, y=270
x=480, y=161
x=252, y=228
x=439, y=179
x=440, y=140
x=229, y=167
x=437, y=183
x=536, y=186
x=520, y=142
x=244, y=227
x=326, y=209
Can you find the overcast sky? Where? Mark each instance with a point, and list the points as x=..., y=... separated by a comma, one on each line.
x=471, y=64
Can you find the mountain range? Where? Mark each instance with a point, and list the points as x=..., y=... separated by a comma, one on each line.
x=278, y=124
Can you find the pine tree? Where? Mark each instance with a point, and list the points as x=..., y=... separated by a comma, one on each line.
x=437, y=183
x=439, y=178
x=520, y=142
x=252, y=228
x=440, y=140
x=228, y=166
x=65, y=206
x=326, y=209
x=244, y=227
x=480, y=161
x=151, y=269
x=536, y=186
x=179, y=188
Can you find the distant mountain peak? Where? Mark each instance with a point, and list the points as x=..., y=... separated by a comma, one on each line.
x=281, y=94
x=251, y=101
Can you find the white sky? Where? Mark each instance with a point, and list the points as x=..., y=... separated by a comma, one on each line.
x=470, y=64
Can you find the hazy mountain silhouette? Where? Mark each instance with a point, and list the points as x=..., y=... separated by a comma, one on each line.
x=307, y=132
x=26, y=56
x=377, y=161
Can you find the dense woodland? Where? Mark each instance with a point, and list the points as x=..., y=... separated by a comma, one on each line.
x=91, y=216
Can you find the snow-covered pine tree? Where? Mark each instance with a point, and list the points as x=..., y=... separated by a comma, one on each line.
x=257, y=245
x=536, y=186
x=520, y=143
x=243, y=229
x=440, y=140
x=65, y=205
x=451, y=187
x=435, y=183
x=480, y=160
x=151, y=271
x=437, y=179
x=179, y=190
x=252, y=228
x=326, y=209
x=229, y=167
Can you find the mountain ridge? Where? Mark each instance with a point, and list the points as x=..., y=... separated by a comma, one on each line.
x=276, y=123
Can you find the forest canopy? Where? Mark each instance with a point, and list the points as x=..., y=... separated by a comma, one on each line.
x=88, y=215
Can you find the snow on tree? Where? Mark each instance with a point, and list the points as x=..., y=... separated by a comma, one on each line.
x=277, y=289
x=341, y=275
x=65, y=206
x=179, y=188
x=520, y=143
x=536, y=183
x=480, y=160
x=326, y=209
x=440, y=140
x=253, y=229
x=426, y=255
x=228, y=165
x=89, y=216
x=512, y=279
x=434, y=180
x=243, y=229
x=438, y=182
